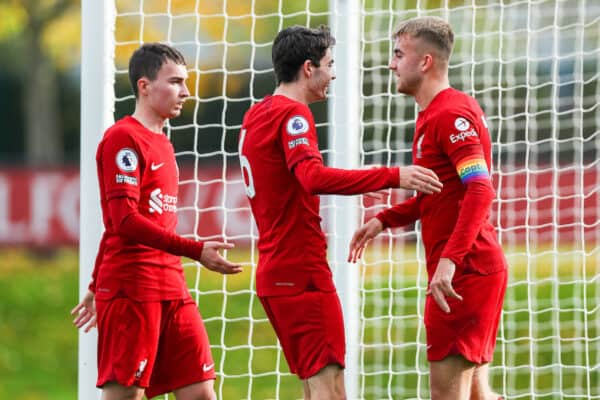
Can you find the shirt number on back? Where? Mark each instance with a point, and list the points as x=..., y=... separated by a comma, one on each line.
x=246, y=170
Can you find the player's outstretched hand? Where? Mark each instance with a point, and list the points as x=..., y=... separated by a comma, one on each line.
x=212, y=260
x=85, y=312
x=361, y=237
x=441, y=284
x=418, y=178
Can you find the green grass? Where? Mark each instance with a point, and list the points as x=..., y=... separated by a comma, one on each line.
x=38, y=344
x=550, y=331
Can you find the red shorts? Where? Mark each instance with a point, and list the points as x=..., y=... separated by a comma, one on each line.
x=310, y=328
x=157, y=345
x=471, y=327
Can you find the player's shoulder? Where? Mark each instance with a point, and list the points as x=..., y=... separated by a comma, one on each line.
x=279, y=110
x=453, y=104
x=125, y=128
x=297, y=116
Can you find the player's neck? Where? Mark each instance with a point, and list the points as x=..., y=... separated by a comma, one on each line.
x=429, y=89
x=148, y=119
x=294, y=91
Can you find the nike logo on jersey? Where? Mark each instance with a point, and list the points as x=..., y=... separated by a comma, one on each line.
x=207, y=367
x=154, y=167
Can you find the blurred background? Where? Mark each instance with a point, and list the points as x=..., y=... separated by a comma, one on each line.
x=39, y=195
x=541, y=99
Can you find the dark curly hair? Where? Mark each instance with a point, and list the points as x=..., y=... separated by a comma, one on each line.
x=296, y=44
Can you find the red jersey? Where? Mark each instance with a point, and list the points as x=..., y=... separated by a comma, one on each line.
x=137, y=163
x=283, y=171
x=452, y=139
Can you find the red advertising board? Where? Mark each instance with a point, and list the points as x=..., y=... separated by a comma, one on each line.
x=41, y=207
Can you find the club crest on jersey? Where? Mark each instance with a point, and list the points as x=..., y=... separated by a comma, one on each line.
x=127, y=160
x=419, y=143
x=461, y=124
x=297, y=125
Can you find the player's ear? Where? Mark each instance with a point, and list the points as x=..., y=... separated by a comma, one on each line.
x=307, y=68
x=142, y=85
x=427, y=62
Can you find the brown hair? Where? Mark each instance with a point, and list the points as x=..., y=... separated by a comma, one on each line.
x=147, y=61
x=432, y=30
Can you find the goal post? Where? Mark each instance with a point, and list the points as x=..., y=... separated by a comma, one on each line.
x=534, y=66
x=97, y=105
x=343, y=136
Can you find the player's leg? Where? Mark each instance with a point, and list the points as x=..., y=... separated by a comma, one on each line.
x=312, y=339
x=184, y=363
x=306, y=388
x=127, y=343
x=467, y=333
x=450, y=378
x=328, y=383
x=115, y=391
x=480, y=387
x=197, y=391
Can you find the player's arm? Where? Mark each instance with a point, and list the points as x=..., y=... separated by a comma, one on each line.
x=316, y=178
x=401, y=214
x=466, y=153
x=298, y=136
x=99, y=257
x=472, y=215
x=120, y=166
x=130, y=224
x=85, y=311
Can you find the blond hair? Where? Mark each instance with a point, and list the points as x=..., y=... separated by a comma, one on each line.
x=432, y=30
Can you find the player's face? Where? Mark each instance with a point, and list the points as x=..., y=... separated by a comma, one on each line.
x=167, y=93
x=321, y=78
x=406, y=65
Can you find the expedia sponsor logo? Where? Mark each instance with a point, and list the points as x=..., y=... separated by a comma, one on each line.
x=461, y=124
x=297, y=142
x=297, y=125
x=130, y=180
x=462, y=136
x=160, y=202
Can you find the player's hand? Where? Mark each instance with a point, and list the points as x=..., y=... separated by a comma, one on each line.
x=361, y=237
x=86, y=312
x=212, y=260
x=440, y=286
x=418, y=178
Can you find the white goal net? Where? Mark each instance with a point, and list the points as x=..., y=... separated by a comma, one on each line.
x=534, y=66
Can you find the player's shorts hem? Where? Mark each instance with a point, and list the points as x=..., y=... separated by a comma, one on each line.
x=157, y=390
x=314, y=341
x=471, y=328
x=124, y=383
x=314, y=371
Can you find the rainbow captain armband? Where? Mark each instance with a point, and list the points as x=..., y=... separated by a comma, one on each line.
x=472, y=169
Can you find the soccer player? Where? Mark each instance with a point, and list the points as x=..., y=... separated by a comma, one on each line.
x=283, y=172
x=466, y=267
x=152, y=339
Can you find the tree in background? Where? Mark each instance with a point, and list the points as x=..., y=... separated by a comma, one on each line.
x=40, y=37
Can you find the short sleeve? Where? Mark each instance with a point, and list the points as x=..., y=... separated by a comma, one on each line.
x=459, y=137
x=120, y=163
x=299, y=136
